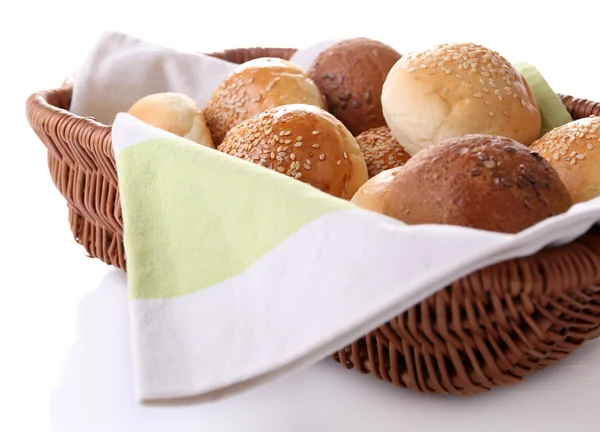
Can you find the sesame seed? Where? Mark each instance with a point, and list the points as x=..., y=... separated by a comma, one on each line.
x=478, y=95
x=316, y=145
x=345, y=155
x=315, y=132
x=298, y=175
x=580, y=156
x=292, y=156
x=322, y=156
x=306, y=166
x=339, y=162
x=556, y=156
x=590, y=146
x=491, y=114
x=299, y=138
x=298, y=144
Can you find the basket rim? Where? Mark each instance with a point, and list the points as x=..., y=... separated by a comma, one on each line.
x=40, y=99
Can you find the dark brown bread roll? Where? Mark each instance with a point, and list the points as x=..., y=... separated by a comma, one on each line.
x=351, y=74
x=480, y=181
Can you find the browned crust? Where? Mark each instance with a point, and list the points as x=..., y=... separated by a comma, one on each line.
x=381, y=150
x=303, y=142
x=479, y=181
x=573, y=150
x=351, y=74
x=254, y=87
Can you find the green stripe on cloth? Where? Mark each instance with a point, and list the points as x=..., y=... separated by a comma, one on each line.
x=194, y=216
x=552, y=110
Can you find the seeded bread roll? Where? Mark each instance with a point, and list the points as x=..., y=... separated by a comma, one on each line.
x=480, y=181
x=175, y=113
x=573, y=150
x=351, y=74
x=254, y=87
x=456, y=89
x=304, y=142
x=381, y=150
x=371, y=195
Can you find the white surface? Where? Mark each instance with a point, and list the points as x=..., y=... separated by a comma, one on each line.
x=65, y=363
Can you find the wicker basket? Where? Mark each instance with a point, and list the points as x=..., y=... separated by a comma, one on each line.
x=490, y=328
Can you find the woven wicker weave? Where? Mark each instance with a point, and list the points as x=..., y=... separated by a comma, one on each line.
x=490, y=328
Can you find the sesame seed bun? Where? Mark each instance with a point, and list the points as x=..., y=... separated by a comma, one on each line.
x=371, y=195
x=175, y=113
x=351, y=74
x=457, y=89
x=304, y=142
x=381, y=150
x=479, y=181
x=573, y=150
x=254, y=87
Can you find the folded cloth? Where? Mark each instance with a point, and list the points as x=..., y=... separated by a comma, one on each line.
x=238, y=274
x=120, y=69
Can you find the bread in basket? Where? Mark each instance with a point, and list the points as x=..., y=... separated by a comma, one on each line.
x=490, y=328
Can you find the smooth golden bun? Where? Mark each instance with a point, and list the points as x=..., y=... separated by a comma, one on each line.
x=381, y=150
x=457, y=89
x=351, y=74
x=304, y=142
x=479, y=181
x=371, y=195
x=175, y=113
x=573, y=150
x=254, y=87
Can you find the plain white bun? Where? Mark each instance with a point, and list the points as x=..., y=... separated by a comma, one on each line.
x=457, y=89
x=175, y=113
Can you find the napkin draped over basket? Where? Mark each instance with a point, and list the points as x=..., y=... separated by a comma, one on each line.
x=490, y=327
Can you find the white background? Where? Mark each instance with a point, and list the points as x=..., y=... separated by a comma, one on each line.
x=65, y=361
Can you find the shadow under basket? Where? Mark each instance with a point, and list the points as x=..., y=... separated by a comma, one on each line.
x=491, y=328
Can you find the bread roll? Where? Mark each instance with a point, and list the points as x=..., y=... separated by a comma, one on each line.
x=371, y=195
x=304, y=142
x=456, y=89
x=381, y=150
x=175, y=113
x=480, y=181
x=254, y=87
x=573, y=150
x=351, y=74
